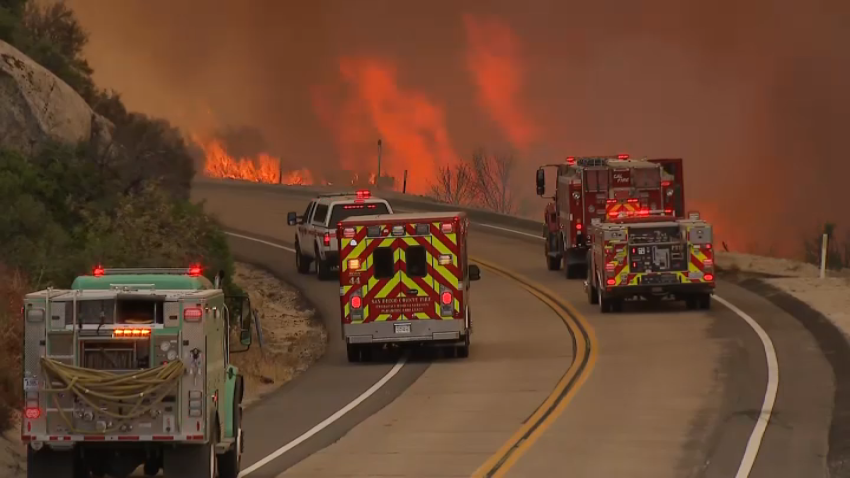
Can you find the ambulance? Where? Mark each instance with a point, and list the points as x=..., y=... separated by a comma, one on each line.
x=405, y=280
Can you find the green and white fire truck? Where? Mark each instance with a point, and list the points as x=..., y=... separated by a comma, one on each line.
x=130, y=368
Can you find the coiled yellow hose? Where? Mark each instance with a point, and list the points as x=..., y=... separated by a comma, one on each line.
x=107, y=391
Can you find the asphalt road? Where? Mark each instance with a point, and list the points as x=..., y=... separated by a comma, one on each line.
x=673, y=392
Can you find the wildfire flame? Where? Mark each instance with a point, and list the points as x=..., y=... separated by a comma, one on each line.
x=262, y=168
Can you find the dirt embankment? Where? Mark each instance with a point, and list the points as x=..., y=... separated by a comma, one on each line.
x=293, y=339
x=293, y=336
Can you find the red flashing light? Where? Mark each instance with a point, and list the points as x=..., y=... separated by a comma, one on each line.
x=708, y=246
x=364, y=194
x=709, y=277
x=446, y=298
x=195, y=271
x=98, y=271
x=665, y=183
x=611, y=282
x=326, y=239
x=571, y=160
x=578, y=227
x=622, y=156
x=192, y=314
x=668, y=211
x=356, y=302
x=32, y=413
x=632, y=200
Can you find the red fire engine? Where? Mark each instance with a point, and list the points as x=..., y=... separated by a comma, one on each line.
x=584, y=188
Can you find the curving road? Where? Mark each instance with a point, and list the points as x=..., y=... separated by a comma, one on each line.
x=668, y=392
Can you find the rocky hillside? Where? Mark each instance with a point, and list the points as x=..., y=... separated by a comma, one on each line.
x=37, y=106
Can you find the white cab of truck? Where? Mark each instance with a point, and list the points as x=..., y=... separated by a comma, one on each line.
x=315, y=236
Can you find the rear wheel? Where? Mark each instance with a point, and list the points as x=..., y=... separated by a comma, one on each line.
x=462, y=351
x=553, y=263
x=190, y=461
x=322, y=267
x=48, y=463
x=353, y=352
x=704, y=301
x=592, y=292
x=302, y=263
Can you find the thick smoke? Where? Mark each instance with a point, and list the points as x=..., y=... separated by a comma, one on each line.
x=752, y=94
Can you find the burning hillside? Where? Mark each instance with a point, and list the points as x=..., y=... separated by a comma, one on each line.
x=262, y=168
x=265, y=168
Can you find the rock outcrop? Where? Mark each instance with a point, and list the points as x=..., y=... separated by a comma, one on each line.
x=36, y=106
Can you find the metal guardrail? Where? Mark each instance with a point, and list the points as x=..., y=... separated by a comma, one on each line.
x=395, y=198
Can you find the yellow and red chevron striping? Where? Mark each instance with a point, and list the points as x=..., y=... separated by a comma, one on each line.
x=445, y=276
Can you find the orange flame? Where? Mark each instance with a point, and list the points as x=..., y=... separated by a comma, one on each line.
x=411, y=126
x=263, y=168
x=493, y=58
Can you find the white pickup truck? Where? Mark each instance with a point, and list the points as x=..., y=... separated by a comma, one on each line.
x=315, y=236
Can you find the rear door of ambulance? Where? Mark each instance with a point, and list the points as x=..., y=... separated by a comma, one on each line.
x=403, y=287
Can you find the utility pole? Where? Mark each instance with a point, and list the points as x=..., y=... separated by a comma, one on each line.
x=378, y=176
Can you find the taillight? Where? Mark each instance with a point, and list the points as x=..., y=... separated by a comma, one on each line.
x=578, y=227
x=348, y=232
x=708, y=263
x=356, y=301
x=611, y=282
x=709, y=277
x=446, y=298
x=192, y=314
x=610, y=267
x=327, y=239
x=32, y=412
x=447, y=228
x=353, y=264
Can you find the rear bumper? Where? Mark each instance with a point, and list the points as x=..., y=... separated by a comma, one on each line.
x=675, y=289
x=448, y=330
x=64, y=441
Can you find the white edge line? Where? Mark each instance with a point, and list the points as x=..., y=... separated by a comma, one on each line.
x=754, y=443
x=327, y=421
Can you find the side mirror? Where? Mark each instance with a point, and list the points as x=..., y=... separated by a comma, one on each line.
x=474, y=272
x=245, y=336
x=540, y=178
x=292, y=218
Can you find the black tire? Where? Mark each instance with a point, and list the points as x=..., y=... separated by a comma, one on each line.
x=230, y=463
x=190, y=461
x=592, y=291
x=302, y=262
x=462, y=351
x=322, y=267
x=691, y=302
x=48, y=463
x=705, y=301
x=553, y=263
x=151, y=467
x=353, y=352
x=366, y=352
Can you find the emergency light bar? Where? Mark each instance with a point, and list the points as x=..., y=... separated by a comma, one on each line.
x=194, y=271
x=364, y=194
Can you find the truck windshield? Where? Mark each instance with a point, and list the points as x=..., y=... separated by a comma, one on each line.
x=344, y=211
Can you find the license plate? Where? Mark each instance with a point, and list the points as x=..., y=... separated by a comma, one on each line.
x=657, y=289
x=30, y=384
x=402, y=328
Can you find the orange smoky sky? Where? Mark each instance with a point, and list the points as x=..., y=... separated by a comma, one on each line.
x=752, y=94
x=494, y=61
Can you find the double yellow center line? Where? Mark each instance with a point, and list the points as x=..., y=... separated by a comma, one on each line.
x=586, y=350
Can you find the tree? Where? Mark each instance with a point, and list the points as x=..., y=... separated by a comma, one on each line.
x=493, y=174
x=454, y=184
